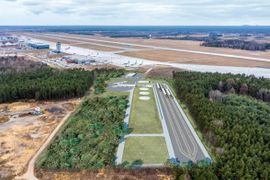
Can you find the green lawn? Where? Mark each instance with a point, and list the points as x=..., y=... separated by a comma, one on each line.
x=148, y=150
x=113, y=93
x=144, y=116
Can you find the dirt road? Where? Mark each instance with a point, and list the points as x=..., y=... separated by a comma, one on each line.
x=29, y=175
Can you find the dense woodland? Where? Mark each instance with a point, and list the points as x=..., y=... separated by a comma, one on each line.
x=233, y=112
x=91, y=136
x=45, y=83
x=237, y=44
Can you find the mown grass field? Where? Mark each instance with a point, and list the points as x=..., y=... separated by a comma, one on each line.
x=144, y=116
x=148, y=150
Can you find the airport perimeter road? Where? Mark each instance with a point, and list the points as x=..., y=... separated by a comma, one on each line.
x=186, y=146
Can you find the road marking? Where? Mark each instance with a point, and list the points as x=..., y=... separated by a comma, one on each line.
x=199, y=143
x=180, y=126
x=179, y=144
x=187, y=130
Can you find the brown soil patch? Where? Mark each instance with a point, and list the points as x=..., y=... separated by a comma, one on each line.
x=190, y=58
x=23, y=136
x=20, y=106
x=107, y=174
x=3, y=119
x=162, y=71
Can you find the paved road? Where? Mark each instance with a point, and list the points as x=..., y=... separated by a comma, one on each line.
x=65, y=37
x=184, y=143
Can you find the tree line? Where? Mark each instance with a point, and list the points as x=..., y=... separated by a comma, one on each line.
x=237, y=44
x=236, y=122
x=45, y=83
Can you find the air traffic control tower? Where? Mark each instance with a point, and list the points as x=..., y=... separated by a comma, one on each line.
x=58, y=47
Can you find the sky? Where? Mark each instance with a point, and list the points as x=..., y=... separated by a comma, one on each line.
x=134, y=12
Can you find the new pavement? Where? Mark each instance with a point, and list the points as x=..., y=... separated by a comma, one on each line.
x=185, y=146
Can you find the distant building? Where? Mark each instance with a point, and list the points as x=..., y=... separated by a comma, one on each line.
x=37, y=45
x=10, y=39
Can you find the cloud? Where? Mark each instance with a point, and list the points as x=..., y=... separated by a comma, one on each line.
x=148, y=12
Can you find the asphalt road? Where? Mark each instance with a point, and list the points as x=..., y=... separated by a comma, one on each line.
x=184, y=144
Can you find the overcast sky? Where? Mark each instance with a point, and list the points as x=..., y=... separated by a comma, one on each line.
x=134, y=12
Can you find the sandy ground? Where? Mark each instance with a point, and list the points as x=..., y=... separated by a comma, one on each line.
x=189, y=58
x=23, y=134
x=189, y=45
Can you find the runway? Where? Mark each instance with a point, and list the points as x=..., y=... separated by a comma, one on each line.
x=78, y=39
x=185, y=145
x=119, y=60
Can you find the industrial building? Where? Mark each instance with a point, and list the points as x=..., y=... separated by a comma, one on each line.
x=37, y=45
